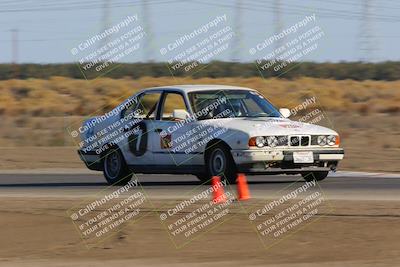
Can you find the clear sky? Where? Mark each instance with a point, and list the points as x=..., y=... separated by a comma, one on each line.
x=48, y=29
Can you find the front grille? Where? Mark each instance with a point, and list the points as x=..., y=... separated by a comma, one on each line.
x=314, y=140
x=297, y=140
x=282, y=140
x=305, y=140
x=294, y=141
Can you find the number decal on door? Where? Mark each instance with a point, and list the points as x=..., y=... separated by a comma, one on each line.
x=138, y=141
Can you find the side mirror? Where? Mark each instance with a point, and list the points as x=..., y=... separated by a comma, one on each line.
x=285, y=112
x=180, y=114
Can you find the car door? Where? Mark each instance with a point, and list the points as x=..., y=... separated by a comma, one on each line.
x=170, y=135
x=139, y=121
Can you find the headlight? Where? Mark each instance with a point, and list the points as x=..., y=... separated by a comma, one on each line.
x=331, y=140
x=272, y=141
x=260, y=141
x=322, y=140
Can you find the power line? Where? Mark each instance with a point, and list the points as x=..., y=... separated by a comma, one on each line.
x=84, y=6
x=356, y=4
x=329, y=12
x=42, y=40
x=303, y=10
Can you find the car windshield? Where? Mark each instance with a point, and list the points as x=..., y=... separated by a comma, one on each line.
x=231, y=103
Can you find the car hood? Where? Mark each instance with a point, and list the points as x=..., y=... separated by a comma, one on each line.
x=273, y=126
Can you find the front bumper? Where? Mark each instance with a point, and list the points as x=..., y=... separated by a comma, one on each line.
x=281, y=161
x=91, y=159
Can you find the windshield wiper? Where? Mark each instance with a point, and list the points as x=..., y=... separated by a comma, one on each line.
x=263, y=114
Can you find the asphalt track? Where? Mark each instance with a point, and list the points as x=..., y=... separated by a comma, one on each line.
x=73, y=183
x=355, y=232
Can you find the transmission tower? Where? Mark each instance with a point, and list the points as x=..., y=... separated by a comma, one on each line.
x=367, y=42
x=237, y=38
x=148, y=40
x=14, y=59
x=278, y=24
x=105, y=20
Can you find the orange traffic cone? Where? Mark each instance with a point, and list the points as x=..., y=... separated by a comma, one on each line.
x=218, y=190
x=242, y=188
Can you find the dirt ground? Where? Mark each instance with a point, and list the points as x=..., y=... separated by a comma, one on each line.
x=37, y=232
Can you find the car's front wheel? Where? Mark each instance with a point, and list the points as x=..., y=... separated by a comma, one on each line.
x=115, y=169
x=219, y=162
x=314, y=176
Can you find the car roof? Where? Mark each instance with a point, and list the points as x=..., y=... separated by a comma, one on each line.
x=197, y=87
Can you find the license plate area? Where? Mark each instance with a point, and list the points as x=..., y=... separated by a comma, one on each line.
x=303, y=157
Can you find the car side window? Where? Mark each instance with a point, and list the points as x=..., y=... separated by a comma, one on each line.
x=130, y=110
x=172, y=101
x=145, y=107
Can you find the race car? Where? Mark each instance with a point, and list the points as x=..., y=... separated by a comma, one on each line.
x=205, y=130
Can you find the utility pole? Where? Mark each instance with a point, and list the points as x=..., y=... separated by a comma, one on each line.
x=367, y=42
x=237, y=39
x=148, y=40
x=14, y=60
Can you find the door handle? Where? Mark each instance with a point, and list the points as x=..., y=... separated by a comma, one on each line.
x=158, y=130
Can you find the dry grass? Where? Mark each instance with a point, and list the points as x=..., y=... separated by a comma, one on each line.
x=36, y=112
x=61, y=96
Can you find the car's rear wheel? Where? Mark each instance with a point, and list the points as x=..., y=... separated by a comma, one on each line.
x=219, y=162
x=317, y=176
x=115, y=169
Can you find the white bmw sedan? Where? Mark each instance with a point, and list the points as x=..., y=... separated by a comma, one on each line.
x=205, y=130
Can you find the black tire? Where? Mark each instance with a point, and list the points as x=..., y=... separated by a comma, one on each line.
x=219, y=161
x=115, y=169
x=317, y=176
